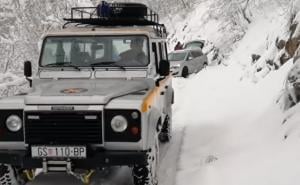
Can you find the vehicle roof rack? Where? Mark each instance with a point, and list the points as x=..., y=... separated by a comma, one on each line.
x=116, y=14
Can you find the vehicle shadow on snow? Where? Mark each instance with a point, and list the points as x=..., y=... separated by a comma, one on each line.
x=111, y=176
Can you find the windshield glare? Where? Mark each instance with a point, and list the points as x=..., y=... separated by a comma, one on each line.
x=177, y=56
x=91, y=51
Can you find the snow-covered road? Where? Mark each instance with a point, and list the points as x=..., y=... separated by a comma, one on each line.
x=227, y=130
x=234, y=131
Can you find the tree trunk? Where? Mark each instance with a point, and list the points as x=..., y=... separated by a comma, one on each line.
x=184, y=4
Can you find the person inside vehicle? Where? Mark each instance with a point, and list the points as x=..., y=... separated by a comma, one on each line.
x=103, y=9
x=135, y=56
x=178, y=46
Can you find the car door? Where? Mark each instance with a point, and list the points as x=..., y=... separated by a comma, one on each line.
x=188, y=62
x=196, y=60
x=201, y=59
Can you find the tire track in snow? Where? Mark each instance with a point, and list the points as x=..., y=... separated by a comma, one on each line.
x=167, y=171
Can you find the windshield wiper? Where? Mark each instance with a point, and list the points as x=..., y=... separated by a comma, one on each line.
x=108, y=64
x=62, y=65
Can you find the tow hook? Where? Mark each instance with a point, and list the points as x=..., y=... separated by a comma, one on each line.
x=29, y=174
x=85, y=178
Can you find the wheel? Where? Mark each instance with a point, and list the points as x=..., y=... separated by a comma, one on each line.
x=147, y=174
x=11, y=176
x=166, y=132
x=185, y=72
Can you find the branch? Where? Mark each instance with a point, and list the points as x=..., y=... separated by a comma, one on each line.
x=244, y=12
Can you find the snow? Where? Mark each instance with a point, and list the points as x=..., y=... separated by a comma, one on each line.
x=10, y=84
x=234, y=131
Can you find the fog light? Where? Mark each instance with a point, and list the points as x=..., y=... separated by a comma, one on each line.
x=119, y=123
x=14, y=123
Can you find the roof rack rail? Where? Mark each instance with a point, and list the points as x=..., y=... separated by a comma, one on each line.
x=116, y=14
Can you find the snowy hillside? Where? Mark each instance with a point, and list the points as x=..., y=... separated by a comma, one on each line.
x=23, y=23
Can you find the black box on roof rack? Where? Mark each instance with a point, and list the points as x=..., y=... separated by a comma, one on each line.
x=130, y=10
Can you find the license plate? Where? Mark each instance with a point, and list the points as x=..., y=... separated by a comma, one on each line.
x=58, y=151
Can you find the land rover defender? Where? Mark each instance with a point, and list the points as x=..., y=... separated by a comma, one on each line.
x=101, y=97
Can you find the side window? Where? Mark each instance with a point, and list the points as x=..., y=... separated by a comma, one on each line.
x=190, y=57
x=154, y=50
x=166, y=50
x=200, y=53
x=196, y=54
x=164, y=55
x=160, y=51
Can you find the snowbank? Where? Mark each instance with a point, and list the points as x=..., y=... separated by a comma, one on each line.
x=11, y=84
x=234, y=133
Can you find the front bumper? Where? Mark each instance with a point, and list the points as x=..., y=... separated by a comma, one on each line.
x=94, y=160
x=175, y=71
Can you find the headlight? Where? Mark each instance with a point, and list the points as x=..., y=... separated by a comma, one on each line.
x=14, y=123
x=119, y=123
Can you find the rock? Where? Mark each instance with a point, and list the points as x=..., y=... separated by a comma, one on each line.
x=210, y=159
x=292, y=45
x=293, y=28
x=280, y=44
x=283, y=58
x=297, y=54
x=255, y=58
x=259, y=69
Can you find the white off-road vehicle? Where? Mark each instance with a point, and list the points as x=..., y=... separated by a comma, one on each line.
x=102, y=97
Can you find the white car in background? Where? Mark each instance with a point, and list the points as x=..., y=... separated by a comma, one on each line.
x=185, y=62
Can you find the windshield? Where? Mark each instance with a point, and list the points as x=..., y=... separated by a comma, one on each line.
x=177, y=56
x=95, y=51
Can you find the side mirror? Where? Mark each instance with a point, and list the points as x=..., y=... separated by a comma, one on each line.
x=28, y=72
x=27, y=69
x=190, y=58
x=164, y=68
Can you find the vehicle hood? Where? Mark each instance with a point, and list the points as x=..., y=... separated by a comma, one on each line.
x=97, y=91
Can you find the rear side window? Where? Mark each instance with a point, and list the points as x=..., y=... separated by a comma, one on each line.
x=196, y=54
x=154, y=50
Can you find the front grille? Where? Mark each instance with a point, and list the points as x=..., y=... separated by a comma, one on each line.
x=63, y=128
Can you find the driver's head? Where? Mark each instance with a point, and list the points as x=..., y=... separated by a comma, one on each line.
x=137, y=43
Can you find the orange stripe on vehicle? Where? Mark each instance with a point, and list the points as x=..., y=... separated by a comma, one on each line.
x=149, y=100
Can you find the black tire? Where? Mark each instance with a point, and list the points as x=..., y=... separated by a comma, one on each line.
x=185, y=72
x=147, y=174
x=166, y=133
x=10, y=176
